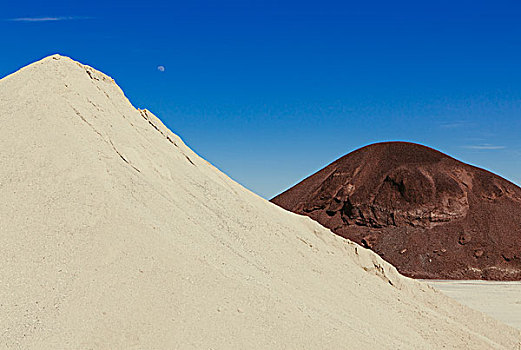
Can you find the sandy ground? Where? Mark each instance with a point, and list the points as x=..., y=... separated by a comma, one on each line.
x=115, y=235
x=501, y=300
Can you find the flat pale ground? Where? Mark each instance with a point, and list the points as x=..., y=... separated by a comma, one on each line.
x=501, y=300
x=115, y=235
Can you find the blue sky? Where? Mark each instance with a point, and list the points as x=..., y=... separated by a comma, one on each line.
x=272, y=91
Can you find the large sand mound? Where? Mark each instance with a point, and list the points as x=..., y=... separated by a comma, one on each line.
x=115, y=235
x=426, y=213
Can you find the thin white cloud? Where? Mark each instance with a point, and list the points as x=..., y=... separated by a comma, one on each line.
x=484, y=147
x=45, y=19
x=456, y=124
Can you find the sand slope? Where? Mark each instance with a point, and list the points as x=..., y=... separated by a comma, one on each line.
x=115, y=235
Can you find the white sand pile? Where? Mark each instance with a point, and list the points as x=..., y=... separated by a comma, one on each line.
x=115, y=235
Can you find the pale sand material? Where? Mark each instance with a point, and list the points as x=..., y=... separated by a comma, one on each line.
x=501, y=300
x=115, y=235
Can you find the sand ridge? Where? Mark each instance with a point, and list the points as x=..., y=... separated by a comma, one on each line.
x=116, y=235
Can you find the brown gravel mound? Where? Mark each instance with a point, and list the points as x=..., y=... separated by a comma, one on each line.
x=426, y=213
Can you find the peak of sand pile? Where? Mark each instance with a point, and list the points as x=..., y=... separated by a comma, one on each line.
x=116, y=235
x=426, y=213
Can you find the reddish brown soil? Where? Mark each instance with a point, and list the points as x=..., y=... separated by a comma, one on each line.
x=428, y=214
